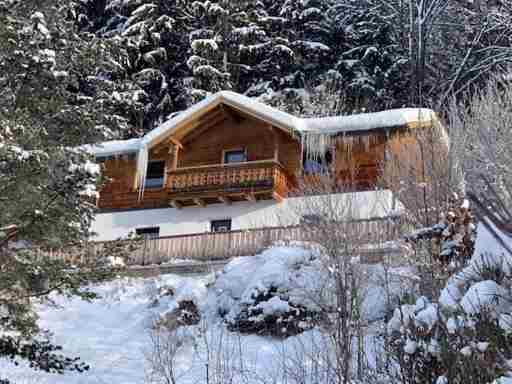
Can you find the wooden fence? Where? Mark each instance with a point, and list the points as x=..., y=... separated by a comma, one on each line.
x=202, y=247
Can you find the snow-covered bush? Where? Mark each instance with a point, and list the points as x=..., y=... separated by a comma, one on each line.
x=279, y=292
x=286, y=290
x=466, y=336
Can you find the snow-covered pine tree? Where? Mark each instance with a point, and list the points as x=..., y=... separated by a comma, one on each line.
x=308, y=32
x=47, y=111
x=370, y=61
x=153, y=38
x=227, y=48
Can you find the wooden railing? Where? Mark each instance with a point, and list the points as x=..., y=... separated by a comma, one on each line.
x=203, y=247
x=188, y=183
x=228, y=177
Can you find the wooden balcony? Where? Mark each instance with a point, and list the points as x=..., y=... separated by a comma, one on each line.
x=226, y=183
x=204, y=185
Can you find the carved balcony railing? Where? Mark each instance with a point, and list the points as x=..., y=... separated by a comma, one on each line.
x=228, y=182
x=204, y=185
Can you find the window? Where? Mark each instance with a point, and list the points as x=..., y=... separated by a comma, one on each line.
x=102, y=159
x=221, y=225
x=148, y=232
x=155, y=174
x=317, y=164
x=235, y=156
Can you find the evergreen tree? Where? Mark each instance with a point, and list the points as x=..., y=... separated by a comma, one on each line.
x=152, y=37
x=225, y=45
x=371, y=63
x=47, y=110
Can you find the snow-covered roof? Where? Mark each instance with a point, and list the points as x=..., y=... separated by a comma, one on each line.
x=303, y=126
x=325, y=125
x=369, y=121
x=114, y=147
x=240, y=102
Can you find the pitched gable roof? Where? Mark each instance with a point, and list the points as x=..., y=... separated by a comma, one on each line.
x=335, y=125
x=324, y=125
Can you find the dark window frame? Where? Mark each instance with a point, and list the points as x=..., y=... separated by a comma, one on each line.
x=148, y=232
x=236, y=151
x=216, y=225
x=155, y=182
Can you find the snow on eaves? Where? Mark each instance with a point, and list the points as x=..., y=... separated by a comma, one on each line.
x=368, y=121
x=240, y=102
x=114, y=147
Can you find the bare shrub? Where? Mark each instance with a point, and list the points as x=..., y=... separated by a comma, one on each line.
x=331, y=222
x=163, y=354
x=417, y=169
x=483, y=125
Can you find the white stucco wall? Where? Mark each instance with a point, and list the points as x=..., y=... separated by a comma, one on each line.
x=244, y=215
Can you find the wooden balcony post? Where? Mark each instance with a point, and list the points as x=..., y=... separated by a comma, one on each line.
x=276, y=143
x=175, y=157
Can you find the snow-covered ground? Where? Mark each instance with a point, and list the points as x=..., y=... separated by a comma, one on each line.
x=112, y=334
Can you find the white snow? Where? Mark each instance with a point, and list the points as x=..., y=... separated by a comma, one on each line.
x=246, y=277
x=489, y=252
x=114, y=147
x=452, y=325
x=201, y=44
x=273, y=306
x=383, y=290
x=450, y=296
x=485, y=296
x=468, y=291
x=112, y=334
x=466, y=351
x=410, y=347
x=503, y=380
x=482, y=346
x=369, y=121
x=423, y=315
x=427, y=318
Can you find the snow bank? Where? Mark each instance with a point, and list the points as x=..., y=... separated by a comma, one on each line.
x=468, y=290
x=384, y=289
x=112, y=334
x=369, y=121
x=486, y=296
x=292, y=276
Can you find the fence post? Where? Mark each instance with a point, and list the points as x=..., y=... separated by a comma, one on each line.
x=144, y=251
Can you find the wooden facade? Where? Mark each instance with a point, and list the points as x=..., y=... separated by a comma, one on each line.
x=196, y=173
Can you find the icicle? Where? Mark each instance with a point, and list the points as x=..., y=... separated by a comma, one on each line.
x=142, y=168
x=317, y=144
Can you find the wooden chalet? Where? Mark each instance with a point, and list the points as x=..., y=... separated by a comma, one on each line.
x=229, y=148
x=215, y=181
